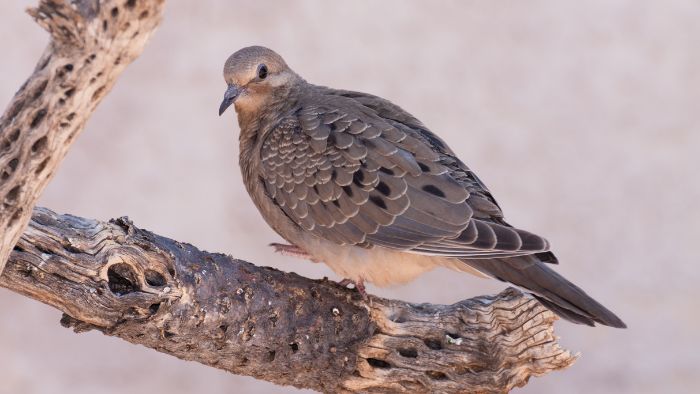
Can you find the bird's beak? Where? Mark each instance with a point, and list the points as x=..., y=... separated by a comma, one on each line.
x=229, y=97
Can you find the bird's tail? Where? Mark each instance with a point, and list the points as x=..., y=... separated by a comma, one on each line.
x=551, y=289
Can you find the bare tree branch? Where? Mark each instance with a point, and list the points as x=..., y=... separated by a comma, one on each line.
x=280, y=327
x=91, y=44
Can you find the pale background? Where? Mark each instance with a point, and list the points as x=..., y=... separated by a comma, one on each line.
x=582, y=117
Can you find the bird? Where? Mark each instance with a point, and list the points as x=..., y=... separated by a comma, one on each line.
x=354, y=181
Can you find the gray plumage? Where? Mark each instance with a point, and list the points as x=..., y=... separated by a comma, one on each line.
x=348, y=177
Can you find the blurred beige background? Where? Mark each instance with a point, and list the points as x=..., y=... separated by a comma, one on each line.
x=582, y=117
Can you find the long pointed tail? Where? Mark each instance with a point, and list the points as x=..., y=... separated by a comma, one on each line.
x=553, y=290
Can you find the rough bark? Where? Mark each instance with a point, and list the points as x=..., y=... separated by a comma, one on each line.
x=91, y=44
x=280, y=327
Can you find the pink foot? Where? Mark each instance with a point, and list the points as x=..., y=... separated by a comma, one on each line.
x=359, y=286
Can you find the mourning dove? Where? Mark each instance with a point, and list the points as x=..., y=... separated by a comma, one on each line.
x=354, y=181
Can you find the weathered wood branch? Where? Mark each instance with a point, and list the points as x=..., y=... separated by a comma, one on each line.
x=91, y=43
x=280, y=327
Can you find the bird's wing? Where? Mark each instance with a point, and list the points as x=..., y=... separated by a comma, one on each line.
x=356, y=176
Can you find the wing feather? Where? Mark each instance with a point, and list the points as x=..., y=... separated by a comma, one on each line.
x=358, y=172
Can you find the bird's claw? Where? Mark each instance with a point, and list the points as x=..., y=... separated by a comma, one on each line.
x=292, y=251
x=359, y=286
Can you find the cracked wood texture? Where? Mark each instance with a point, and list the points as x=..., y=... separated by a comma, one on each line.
x=91, y=44
x=280, y=327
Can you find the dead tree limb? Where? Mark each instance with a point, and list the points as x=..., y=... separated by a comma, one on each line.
x=280, y=327
x=91, y=43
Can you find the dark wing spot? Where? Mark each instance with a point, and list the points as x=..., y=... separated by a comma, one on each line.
x=423, y=167
x=387, y=170
x=378, y=201
x=348, y=190
x=358, y=177
x=432, y=189
x=383, y=188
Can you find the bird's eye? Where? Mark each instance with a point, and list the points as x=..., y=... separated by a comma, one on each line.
x=262, y=71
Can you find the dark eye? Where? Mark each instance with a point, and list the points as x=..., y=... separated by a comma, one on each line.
x=262, y=71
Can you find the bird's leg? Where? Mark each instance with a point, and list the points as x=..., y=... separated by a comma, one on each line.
x=359, y=286
x=293, y=251
x=345, y=282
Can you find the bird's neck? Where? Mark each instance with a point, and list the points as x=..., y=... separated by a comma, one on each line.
x=255, y=123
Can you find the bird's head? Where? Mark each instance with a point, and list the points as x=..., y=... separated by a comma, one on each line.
x=254, y=75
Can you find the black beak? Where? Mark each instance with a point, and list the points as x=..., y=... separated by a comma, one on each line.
x=229, y=97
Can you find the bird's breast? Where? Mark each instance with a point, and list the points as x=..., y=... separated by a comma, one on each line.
x=379, y=266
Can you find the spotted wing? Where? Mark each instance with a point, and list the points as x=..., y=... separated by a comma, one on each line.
x=350, y=175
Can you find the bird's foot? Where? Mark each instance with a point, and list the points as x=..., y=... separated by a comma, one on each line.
x=292, y=250
x=359, y=286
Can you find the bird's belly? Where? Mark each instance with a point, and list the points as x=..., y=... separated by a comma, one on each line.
x=379, y=266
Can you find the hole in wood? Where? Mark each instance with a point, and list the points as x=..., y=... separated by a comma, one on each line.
x=154, y=278
x=39, y=145
x=153, y=309
x=410, y=353
x=271, y=356
x=38, y=117
x=98, y=93
x=436, y=375
x=294, y=346
x=434, y=344
x=130, y=3
x=13, y=136
x=115, y=12
x=12, y=195
x=121, y=279
x=41, y=166
x=39, y=89
x=377, y=363
x=397, y=316
x=12, y=165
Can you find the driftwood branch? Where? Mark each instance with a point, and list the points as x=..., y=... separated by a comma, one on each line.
x=280, y=327
x=91, y=43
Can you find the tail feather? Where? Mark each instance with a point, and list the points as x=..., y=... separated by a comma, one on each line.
x=553, y=290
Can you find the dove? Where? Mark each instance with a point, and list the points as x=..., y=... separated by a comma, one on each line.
x=354, y=181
